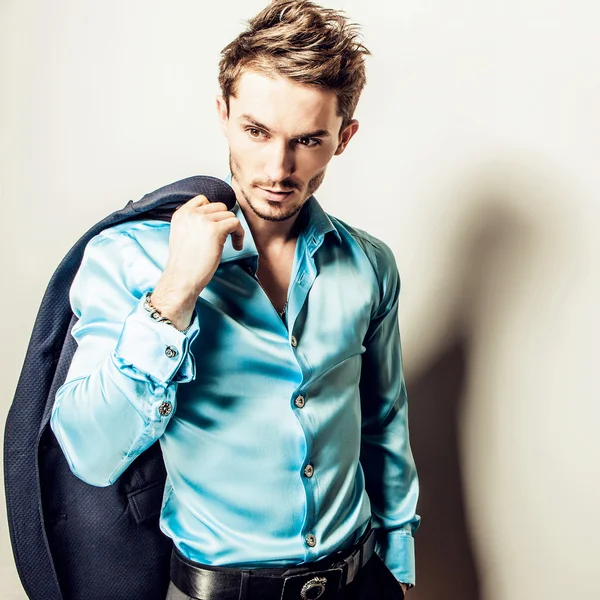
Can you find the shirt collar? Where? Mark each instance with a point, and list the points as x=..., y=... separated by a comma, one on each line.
x=317, y=225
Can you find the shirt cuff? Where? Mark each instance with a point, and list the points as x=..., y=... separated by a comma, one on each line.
x=397, y=550
x=158, y=349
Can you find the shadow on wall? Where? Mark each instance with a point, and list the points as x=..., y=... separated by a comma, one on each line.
x=493, y=231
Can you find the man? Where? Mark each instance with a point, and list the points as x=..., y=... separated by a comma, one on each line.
x=260, y=346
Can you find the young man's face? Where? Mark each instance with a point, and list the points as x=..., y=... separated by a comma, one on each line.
x=281, y=136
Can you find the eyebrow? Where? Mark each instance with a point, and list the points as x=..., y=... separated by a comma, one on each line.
x=311, y=134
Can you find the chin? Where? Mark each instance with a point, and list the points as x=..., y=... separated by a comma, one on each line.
x=277, y=214
x=273, y=211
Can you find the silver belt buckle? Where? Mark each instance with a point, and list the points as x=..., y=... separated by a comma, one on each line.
x=317, y=585
x=313, y=589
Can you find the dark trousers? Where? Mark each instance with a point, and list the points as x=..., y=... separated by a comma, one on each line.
x=373, y=582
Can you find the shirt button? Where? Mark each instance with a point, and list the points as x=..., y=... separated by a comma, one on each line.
x=171, y=352
x=299, y=401
x=164, y=410
x=311, y=540
x=294, y=341
x=309, y=471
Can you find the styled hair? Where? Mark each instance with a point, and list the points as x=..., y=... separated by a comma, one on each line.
x=304, y=42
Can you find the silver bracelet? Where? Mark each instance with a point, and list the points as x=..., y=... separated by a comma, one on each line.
x=156, y=315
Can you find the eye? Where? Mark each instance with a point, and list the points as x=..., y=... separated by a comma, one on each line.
x=255, y=133
x=308, y=142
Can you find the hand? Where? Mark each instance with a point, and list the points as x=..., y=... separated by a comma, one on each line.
x=199, y=229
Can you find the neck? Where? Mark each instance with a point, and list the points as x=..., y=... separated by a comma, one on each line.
x=270, y=234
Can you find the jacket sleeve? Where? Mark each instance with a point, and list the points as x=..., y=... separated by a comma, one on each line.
x=386, y=456
x=120, y=391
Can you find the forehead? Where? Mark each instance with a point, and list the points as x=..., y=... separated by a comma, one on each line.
x=284, y=105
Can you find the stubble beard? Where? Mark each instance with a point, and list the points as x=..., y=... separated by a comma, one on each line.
x=283, y=213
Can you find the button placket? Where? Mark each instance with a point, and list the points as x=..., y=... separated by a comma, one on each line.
x=307, y=473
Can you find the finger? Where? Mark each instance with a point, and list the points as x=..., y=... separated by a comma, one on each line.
x=216, y=217
x=237, y=238
x=235, y=229
x=197, y=201
x=212, y=207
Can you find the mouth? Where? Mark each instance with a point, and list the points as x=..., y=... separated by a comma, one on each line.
x=275, y=195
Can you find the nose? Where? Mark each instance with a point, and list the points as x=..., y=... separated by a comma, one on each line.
x=279, y=161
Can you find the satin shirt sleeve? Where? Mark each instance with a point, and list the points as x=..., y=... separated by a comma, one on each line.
x=120, y=391
x=386, y=457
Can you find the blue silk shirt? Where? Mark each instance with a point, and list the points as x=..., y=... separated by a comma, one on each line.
x=281, y=440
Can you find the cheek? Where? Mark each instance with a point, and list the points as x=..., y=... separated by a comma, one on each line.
x=239, y=142
x=242, y=152
x=313, y=163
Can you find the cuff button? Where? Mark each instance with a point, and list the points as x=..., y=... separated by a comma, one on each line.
x=171, y=352
x=164, y=410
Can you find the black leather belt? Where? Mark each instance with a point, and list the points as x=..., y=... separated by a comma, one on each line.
x=320, y=580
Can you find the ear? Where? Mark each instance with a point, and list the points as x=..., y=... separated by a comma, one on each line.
x=346, y=135
x=223, y=113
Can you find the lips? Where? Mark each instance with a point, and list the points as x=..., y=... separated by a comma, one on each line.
x=274, y=194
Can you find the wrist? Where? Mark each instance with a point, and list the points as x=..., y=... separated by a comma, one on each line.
x=180, y=283
x=176, y=303
x=181, y=321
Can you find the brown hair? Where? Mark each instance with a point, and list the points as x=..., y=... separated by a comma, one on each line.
x=304, y=42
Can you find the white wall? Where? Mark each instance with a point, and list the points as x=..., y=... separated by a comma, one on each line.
x=477, y=161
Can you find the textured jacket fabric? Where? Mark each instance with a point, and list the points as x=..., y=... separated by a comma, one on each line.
x=71, y=540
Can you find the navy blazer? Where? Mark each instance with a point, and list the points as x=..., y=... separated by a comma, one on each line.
x=71, y=540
